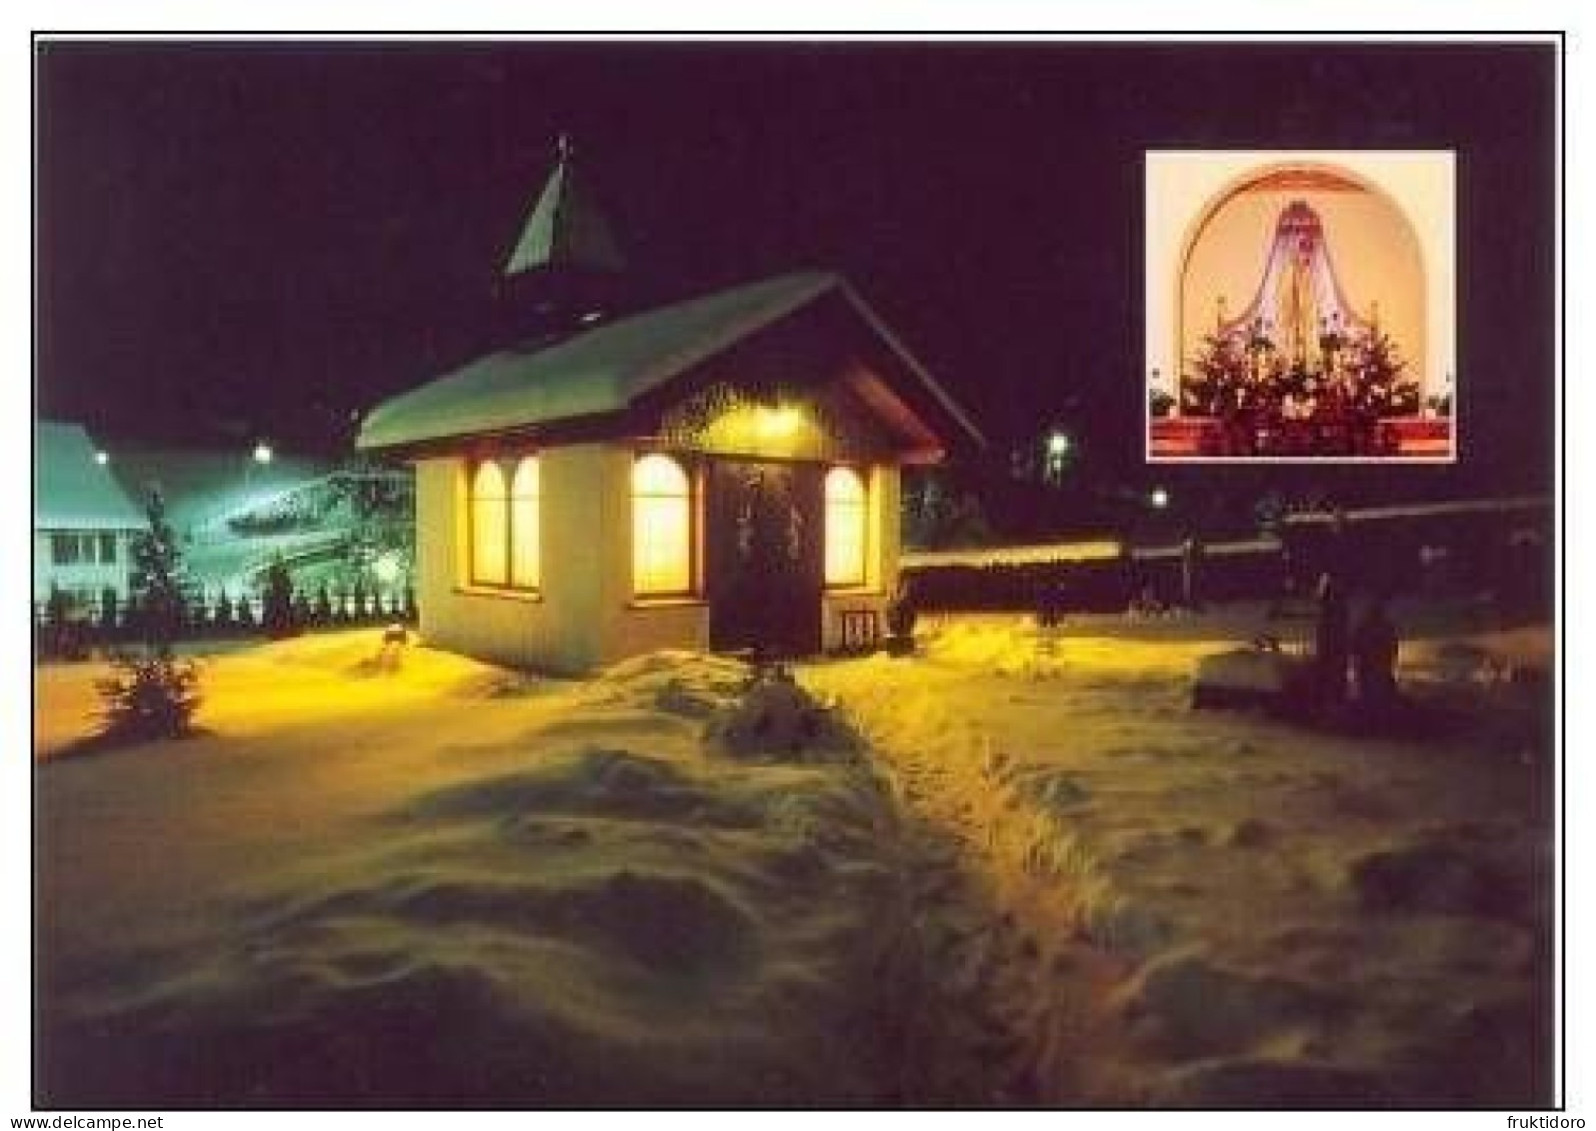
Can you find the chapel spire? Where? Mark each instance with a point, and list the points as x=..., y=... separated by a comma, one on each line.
x=566, y=232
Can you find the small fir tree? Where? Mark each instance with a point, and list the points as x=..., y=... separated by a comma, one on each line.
x=1379, y=385
x=277, y=607
x=222, y=617
x=158, y=578
x=324, y=605
x=149, y=696
x=1217, y=377
x=153, y=695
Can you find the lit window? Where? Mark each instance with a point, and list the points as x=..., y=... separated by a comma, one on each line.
x=489, y=526
x=845, y=527
x=662, y=527
x=504, y=524
x=524, y=494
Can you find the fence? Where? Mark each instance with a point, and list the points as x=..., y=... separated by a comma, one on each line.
x=1501, y=547
x=74, y=627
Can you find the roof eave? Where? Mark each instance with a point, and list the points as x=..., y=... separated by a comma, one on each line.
x=941, y=395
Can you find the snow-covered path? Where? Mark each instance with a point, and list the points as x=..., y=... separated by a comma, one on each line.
x=1216, y=908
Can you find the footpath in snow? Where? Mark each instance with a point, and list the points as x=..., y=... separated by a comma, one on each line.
x=1217, y=908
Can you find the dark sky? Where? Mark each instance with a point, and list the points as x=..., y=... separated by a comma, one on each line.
x=274, y=235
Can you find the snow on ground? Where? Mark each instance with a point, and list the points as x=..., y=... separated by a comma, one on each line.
x=1038, y=875
x=1219, y=908
x=448, y=883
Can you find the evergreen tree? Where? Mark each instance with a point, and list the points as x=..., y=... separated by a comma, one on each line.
x=153, y=695
x=1214, y=384
x=277, y=611
x=324, y=605
x=222, y=618
x=157, y=578
x=1379, y=386
x=108, y=612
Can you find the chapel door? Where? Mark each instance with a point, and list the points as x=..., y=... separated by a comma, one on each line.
x=763, y=567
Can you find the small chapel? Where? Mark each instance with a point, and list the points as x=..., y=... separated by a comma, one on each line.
x=719, y=473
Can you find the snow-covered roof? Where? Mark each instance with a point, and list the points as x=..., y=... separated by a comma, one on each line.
x=72, y=490
x=202, y=487
x=604, y=369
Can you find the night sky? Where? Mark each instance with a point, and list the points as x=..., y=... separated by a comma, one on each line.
x=241, y=240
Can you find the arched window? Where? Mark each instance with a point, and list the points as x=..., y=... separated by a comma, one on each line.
x=524, y=495
x=489, y=526
x=504, y=524
x=845, y=527
x=662, y=527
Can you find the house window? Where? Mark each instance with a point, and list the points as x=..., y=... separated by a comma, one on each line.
x=662, y=527
x=504, y=524
x=82, y=549
x=845, y=527
x=524, y=496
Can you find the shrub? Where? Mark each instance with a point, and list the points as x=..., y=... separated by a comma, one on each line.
x=149, y=696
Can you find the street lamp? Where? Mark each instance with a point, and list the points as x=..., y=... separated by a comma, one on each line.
x=262, y=453
x=1058, y=444
x=387, y=567
x=102, y=457
x=1159, y=498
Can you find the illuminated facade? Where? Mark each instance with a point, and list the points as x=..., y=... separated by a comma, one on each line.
x=720, y=473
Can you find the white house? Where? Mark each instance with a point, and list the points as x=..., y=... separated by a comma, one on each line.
x=83, y=521
x=720, y=473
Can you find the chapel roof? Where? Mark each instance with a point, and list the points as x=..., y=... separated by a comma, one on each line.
x=605, y=369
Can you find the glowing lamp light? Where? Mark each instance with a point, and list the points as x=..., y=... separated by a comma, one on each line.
x=1159, y=498
x=387, y=567
x=1058, y=444
x=778, y=423
x=262, y=453
x=102, y=458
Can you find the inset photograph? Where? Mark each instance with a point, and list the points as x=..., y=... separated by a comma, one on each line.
x=1300, y=306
